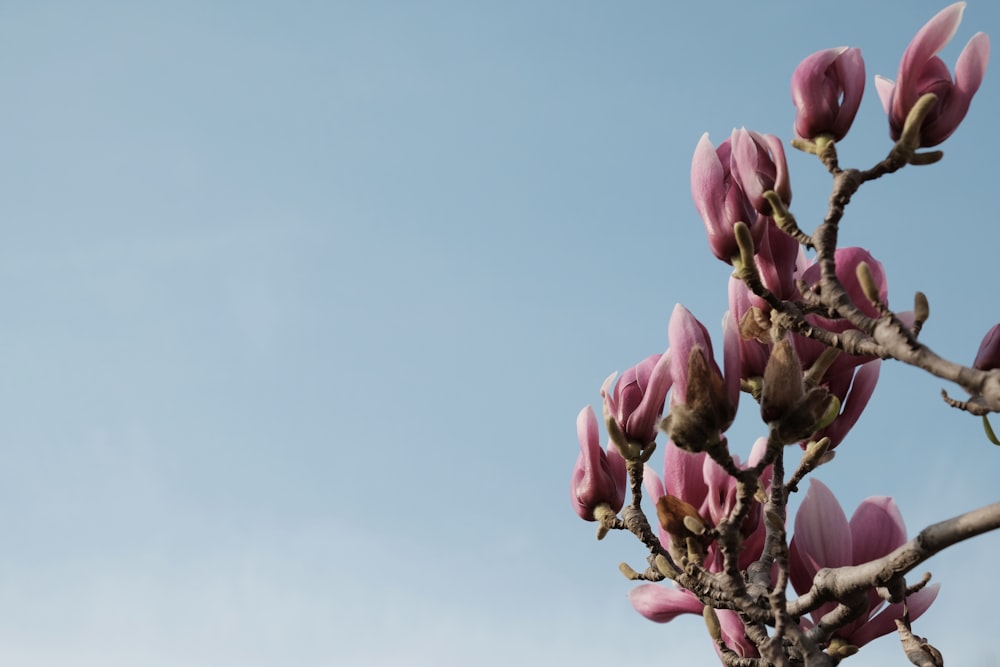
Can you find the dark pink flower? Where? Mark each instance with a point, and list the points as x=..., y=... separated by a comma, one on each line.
x=921, y=72
x=636, y=403
x=824, y=538
x=599, y=477
x=988, y=356
x=826, y=90
x=720, y=201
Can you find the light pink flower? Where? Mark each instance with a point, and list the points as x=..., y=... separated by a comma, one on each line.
x=921, y=72
x=826, y=90
x=599, y=477
x=636, y=403
x=824, y=538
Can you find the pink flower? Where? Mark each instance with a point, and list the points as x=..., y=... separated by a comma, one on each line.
x=824, y=538
x=700, y=481
x=826, y=90
x=686, y=334
x=636, y=403
x=758, y=165
x=921, y=72
x=847, y=263
x=720, y=201
x=599, y=477
x=988, y=356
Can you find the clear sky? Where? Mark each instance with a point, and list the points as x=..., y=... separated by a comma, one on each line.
x=300, y=301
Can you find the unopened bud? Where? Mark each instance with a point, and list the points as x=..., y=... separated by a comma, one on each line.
x=783, y=388
x=712, y=622
x=694, y=525
x=867, y=282
x=744, y=241
x=628, y=572
x=841, y=648
x=665, y=567
x=921, y=310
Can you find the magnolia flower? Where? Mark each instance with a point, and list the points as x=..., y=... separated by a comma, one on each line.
x=698, y=480
x=687, y=334
x=720, y=201
x=826, y=90
x=758, y=165
x=824, y=538
x=636, y=403
x=922, y=72
x=702, y=404
x=988, y=356
x=701, y=482
x=599, y=477
x=847, y=260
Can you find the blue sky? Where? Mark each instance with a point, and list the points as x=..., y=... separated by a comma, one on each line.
x=300, y=301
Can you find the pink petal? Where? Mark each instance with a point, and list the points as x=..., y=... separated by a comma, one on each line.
x=885, y=87
x=876, y=529
x=821, y=529
x=662, y=604
x=655, y=387
x=928, y=41
x=855, y=402
x=682, y=474
x=971, y=66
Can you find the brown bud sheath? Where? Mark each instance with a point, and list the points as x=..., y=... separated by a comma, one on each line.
x=671, y=511
x=783, y=387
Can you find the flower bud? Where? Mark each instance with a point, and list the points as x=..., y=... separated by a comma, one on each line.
x=922, y=72
x=599, y=477
x=636, y=403
x=826, y=90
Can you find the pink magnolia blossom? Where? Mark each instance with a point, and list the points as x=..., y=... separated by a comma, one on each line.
x=700, y=481
x=758, y=165
x=826, y=90
x=847, y=260
x=921, y=72
x=719, y=199
x=824, y=538
x=988, y=356
x=685, y=334
x=599, y=477
x=636, y=402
